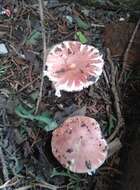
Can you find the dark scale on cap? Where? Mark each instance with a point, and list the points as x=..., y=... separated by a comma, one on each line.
x=58, y=49
x=88, y=130
x=46, y=67
x=56, y=150
x=69, y=150
x=88, y=164
x=69, y=132
x=105, y=149
x=92, y=78
x=83, y=125
x=64, y=156
x=92, y=50
x=60, y=71
x=100, y=144
x=81, y=71
x=66, y=131
x=59, y=156
x=63, y=45
x=69, y=162
x=69, y=52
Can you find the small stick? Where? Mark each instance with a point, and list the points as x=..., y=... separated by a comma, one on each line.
x=120, y=120
x=41, y=6
x=128, y=49
x=4, y=167
x=98, y=25
x=106, y=78
x=27, y=85
x=114, y=147
x=9, y=184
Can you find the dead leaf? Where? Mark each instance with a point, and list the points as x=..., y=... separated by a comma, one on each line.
x=19, y=60
x=116, y=37
x=133, y=58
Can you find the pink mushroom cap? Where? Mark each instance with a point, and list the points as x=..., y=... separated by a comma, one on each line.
x=78, y=145
x=72, y=66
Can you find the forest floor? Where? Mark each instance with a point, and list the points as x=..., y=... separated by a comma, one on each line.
x=26, y=160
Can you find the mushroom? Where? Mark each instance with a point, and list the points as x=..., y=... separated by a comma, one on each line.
x=79, y=145
x=72, y=66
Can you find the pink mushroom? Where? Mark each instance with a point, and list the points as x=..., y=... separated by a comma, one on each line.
x=78, y=145
x=72, y=66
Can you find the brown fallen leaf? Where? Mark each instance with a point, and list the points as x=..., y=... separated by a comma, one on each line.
x=133, y=58
x=116, y=37
x=19, y=60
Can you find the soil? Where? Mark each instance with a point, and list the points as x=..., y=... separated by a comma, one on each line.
x=130, y=154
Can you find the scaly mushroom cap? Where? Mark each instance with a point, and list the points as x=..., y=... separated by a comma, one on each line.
x=72, y=66
x=78, y=145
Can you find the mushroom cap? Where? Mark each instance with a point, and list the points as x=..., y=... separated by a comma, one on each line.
x=72, y=66
x=78, y=145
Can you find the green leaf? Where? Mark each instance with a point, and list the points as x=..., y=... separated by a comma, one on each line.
x=49, y=123
x=33, y=38
x=65, y=173
x=45, y=121
x=22, y=112
x=34, y=95
x=82, y=24
x=81, y=37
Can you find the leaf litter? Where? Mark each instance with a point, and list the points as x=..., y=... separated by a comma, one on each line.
x=26, y=158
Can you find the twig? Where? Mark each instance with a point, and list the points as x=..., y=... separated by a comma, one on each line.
x=24, y=187
x=27, y=85
x=43, y=185
x=4, y=167
x=41, y=8
x=98, y=25
x=9, y=183
x=120, y=120
x=106, y=78
x=114, y=147
x=128, y=49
